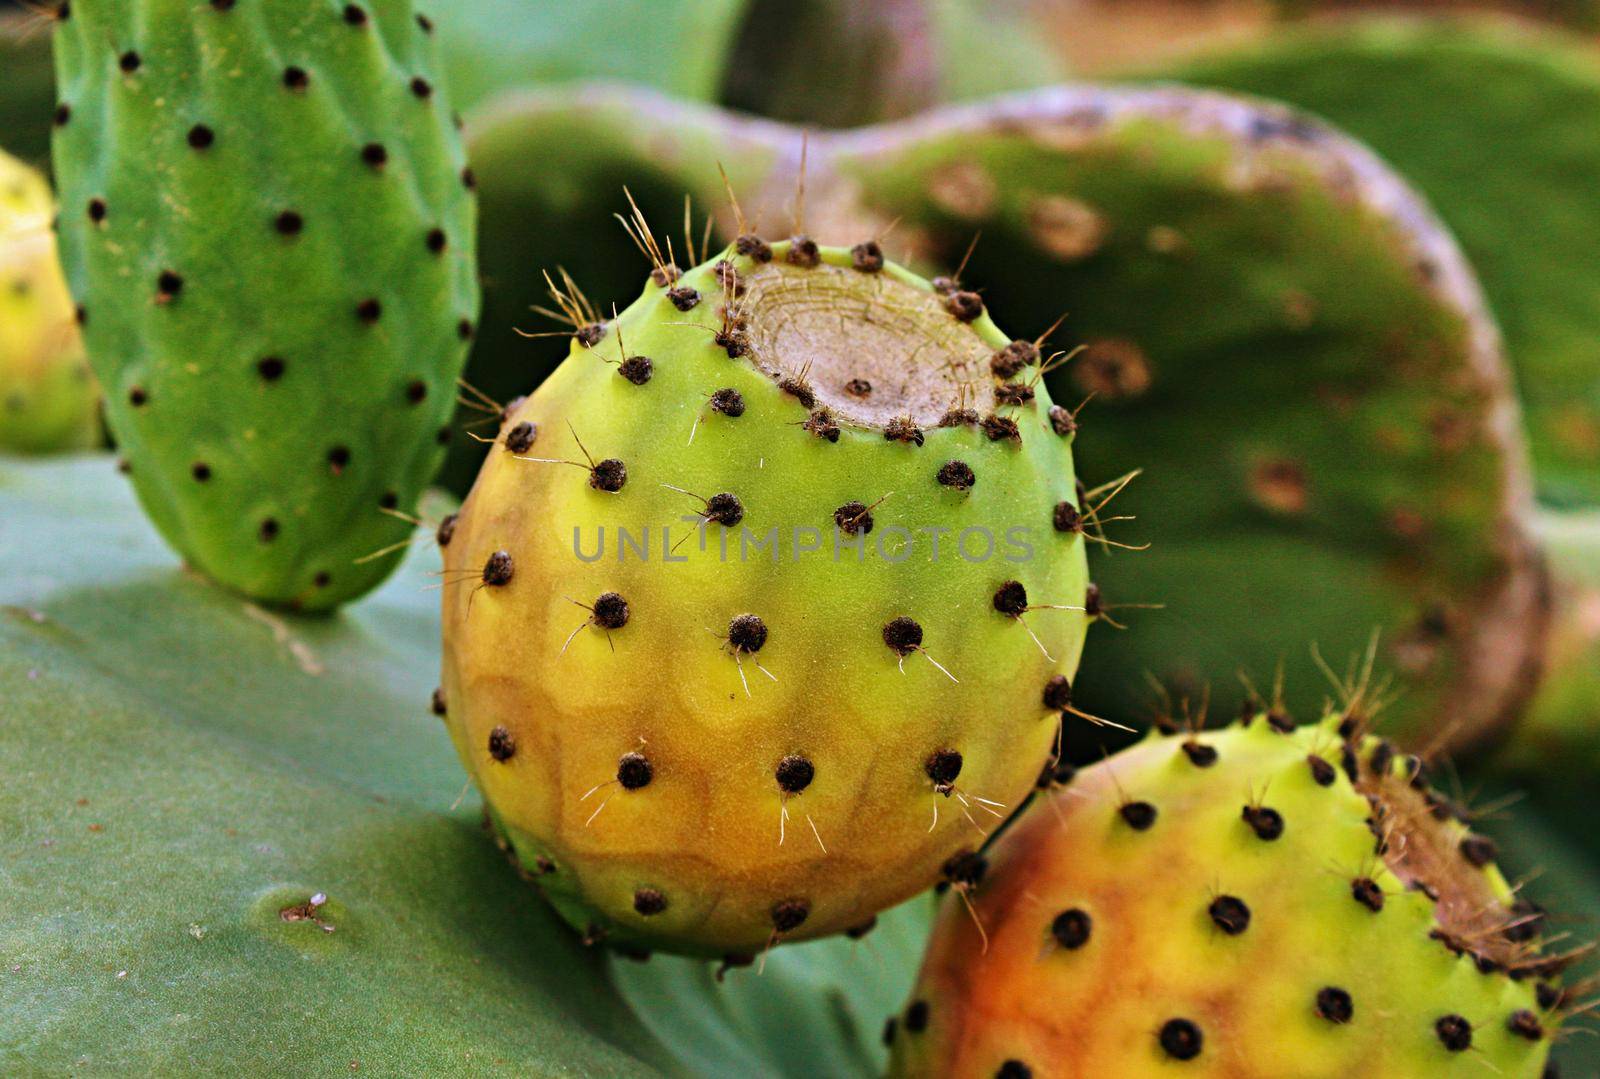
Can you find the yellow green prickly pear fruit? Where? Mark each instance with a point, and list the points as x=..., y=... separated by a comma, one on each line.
x=1250, y=902
x=48, y=398
x=765, y=603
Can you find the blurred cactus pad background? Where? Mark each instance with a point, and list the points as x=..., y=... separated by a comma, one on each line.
x=275, y=275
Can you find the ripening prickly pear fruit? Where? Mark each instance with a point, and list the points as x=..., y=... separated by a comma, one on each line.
x=48, y=399
x=1256, y=901
x=267, y=222
x=745, y=620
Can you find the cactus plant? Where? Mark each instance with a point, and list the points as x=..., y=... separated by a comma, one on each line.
x=799, y=621
x=48, y=398
x=202, y=799
x=316, y=863
x=268, y=228
x=1358, y=463
x=1261, y=900
x=215, y=796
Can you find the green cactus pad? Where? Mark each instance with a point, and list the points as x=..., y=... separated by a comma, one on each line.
x=490, y=46
x=165, y=808
x=266, y=222
x=1256, y=901
x=48, y=398
x=1560, y=733
x=834, y=643
x=28, y=94
x=1494, y=123
x=1280, y=333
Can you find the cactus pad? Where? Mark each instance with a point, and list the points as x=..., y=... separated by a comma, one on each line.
x=1278, y=329
x=1558, y=736
x=266, y=221
x=48, y=398
x=1256, y=901
x=1422, y=93
x=753, y=617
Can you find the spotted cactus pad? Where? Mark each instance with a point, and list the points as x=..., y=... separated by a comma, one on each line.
x=766, y=601
x=267, y=223
x=1263, y=900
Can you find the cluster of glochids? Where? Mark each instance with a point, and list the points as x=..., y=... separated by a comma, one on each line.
x=1263, y=900
x=767, y=600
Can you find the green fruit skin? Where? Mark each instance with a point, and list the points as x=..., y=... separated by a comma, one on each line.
x=268, y=225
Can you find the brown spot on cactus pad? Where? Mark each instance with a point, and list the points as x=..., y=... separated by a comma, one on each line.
x=1067, y=229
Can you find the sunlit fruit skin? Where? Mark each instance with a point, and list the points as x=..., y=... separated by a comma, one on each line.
x=713, y=753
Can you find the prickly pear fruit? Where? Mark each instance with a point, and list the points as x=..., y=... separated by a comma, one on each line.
x=754, y=614
x=48, y=398
x=267, y=223
x=25, y=201
x=1256, y=901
